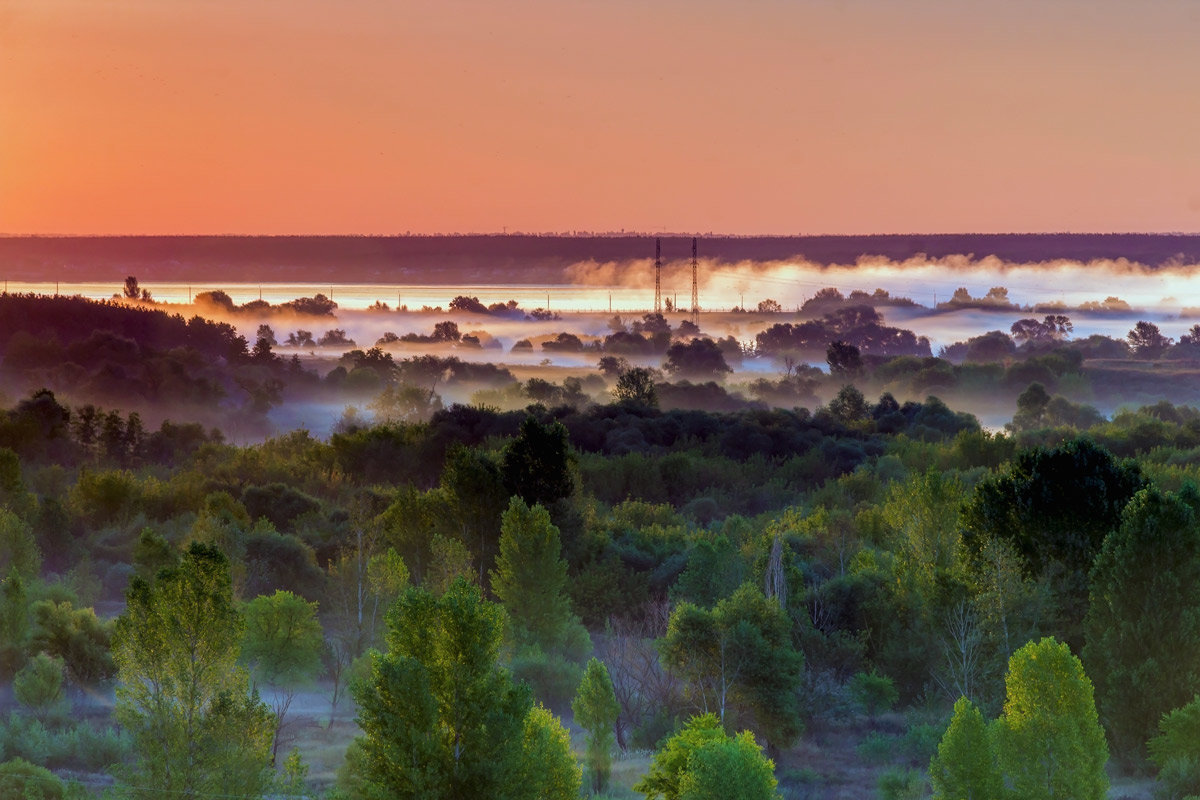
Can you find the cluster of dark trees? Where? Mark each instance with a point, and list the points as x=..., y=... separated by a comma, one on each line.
x=859, y=326
x=218, y=301
x=830, y=299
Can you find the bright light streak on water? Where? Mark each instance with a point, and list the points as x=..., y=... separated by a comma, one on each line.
x=628, y=288
x=362, y=295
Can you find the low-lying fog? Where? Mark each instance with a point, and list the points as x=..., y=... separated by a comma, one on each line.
x=1100, y=297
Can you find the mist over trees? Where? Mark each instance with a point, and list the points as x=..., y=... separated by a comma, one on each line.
x=668, y=578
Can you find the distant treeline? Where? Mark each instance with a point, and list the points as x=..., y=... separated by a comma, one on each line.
x=524, y=258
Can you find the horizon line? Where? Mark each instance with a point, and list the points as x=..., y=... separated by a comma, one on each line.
x=576, y=235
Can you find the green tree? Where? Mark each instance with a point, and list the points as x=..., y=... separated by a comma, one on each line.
x=702, y=763
x=292, y=779
x=844, y=360
x=739, y=652
x=282, y=645
x=537, y=463
x=1055, y=506
x=13, y=494
x=531, y=577
x=17, y=548
x=20, y=780
x=440, y=717
x=14, y=622
x=475, y=487
x=39, y=686
x=734, y=769
x=715, y=568
x=77, y=636
x=549, y=766
x=849, y=407
x=1031, y=409
x=449, y=559
x=636, y=385
x=596, y=709
x=152, y=553
x=699, y=359
x=872, y=692
x=1049, y=741
x=1147, y=340
x=1143, y=624
x=196, y=726
x=964, y=767
x=1176, y=751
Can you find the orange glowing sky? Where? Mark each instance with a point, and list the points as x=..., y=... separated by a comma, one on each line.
x=738, y=116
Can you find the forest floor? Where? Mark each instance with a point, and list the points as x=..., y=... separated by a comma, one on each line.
x=828, y=763
x=825, y=765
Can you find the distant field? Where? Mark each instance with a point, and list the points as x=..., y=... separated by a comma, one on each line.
x=533, y=259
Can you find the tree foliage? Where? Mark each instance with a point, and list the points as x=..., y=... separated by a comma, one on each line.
x=701, y=762
x=1175, y=750
x=636, y=385
x=739, y=653
x=1055, y=506
x=197, y=729
x=1143, y=625
x=441, y=719
x=1049, y=740
x=595, y=708
x=698, y=359
x=537, y=463
x=39, y=686
x=531, y=577
x=964, y=767
x=14, y=622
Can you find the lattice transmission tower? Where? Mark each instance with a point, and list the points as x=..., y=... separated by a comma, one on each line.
x=695, y=285
x=657, y=275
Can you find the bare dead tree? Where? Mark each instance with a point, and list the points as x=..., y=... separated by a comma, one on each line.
x=962, y=649
x=640, y=681
x=775, y=582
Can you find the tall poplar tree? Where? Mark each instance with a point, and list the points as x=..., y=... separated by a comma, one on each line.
x=596, y=709
x=1049, y=740
x=530, y=577
x=197, y=728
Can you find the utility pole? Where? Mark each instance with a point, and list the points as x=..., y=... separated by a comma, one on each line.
x=695, y=287
x=657, y=275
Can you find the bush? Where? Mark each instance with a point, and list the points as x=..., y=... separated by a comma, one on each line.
x=921, y=741
x=877, y=748
x=80, y=747
x=39, y=687
x=1174, y=749
x=96, y=750
x=1179, y=779
x=28, y=739
x=875, y=693
x=20, y=780
x=552, y=677
x=653, y=729
x=901, y=784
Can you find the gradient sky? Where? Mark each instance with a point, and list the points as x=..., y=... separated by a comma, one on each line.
x=735, y=116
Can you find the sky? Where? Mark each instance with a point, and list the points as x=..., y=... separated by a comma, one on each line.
x=724, y=116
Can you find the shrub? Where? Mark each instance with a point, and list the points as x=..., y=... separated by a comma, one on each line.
x=875, y=693
x=901, y=784
x=20, y=780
